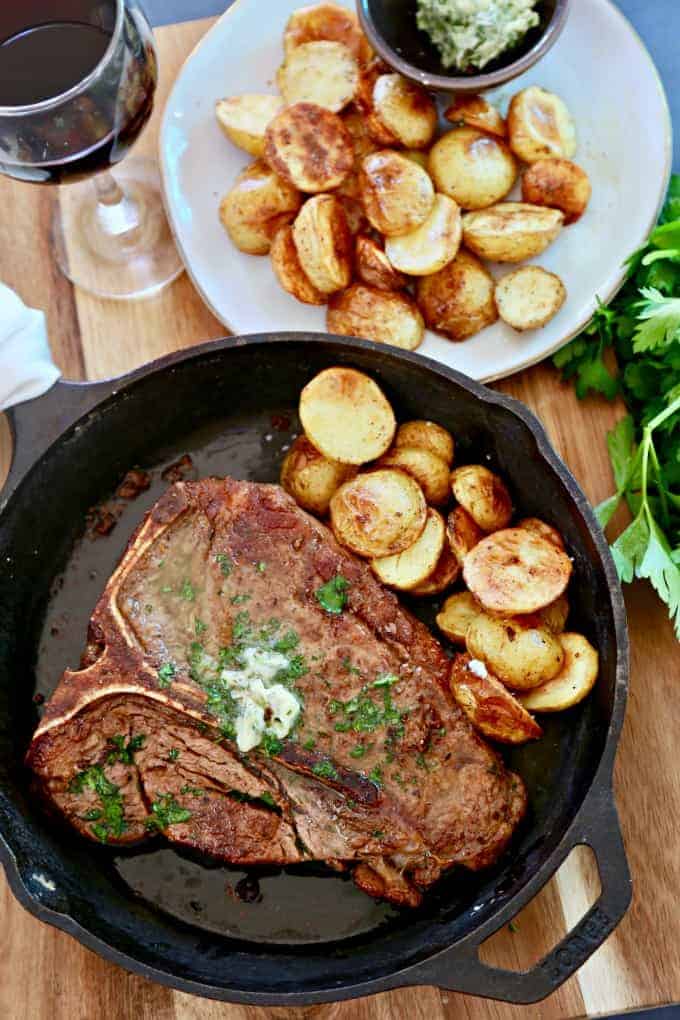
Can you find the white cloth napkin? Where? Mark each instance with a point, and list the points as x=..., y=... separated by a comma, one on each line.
x=26, y=366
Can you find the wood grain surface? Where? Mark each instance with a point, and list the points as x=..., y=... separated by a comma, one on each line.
x=46, y=974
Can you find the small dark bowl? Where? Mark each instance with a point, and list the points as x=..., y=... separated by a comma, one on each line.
x=392, y=31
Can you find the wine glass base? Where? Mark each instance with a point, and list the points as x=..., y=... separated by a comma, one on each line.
x=123, y=251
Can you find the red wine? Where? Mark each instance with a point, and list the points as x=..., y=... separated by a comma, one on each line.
x=49, y=47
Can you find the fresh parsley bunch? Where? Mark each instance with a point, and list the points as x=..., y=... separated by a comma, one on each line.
x=642, y=326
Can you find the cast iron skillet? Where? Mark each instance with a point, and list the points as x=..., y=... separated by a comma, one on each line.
x=308, y=936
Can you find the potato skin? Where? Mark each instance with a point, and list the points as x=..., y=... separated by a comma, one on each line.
x=427, y=435
x=323, y=243
x=540, y=125
x=511, y=231
x=473, y=168
x=519, y=654
x=405, y=109
x=310, y=478
x=529, y=297
x=458, y=300
x=244, y=119
x=388, y=318
x=326, y=21
x=257, y=206
x=484, y=495
x=398, y=195
x=543, y=529
x=373, y=267
x=289, y=272
x=474, y=111
x=309, y=147
x=462, y=532
x=492, y=710
x=559, y=184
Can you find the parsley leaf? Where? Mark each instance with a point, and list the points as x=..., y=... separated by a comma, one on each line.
x=332, y=596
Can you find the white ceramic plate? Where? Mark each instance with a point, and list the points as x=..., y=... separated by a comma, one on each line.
x=598, y=65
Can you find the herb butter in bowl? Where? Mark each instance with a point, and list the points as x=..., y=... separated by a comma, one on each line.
x=462, y=45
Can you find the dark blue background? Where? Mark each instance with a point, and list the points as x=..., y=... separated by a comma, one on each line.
x=657, y=21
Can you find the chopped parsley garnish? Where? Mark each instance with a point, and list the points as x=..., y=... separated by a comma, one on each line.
x=238, y=600
x=309, y=744
x=376, y=776
x=361, y=714
x=166, y=674
x=199, y=627
x=165, y=812
x=267, y=798
x=386, y=680
x=124, y=752
x=421, y=761
x=195, y=791
x=224, y=563
x=377, y=834
x=271, y=745
x=287, y=643
x=187, y=591
x=173, y=754
x=111, y=817
x=261, y=567
x=325, y=770
x=360, y=750
x=166, y=589
x=348, y=667
x=332, y=596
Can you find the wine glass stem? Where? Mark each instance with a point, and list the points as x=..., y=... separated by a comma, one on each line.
x=117, y=212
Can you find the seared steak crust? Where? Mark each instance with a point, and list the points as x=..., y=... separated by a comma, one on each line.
x=407, y=793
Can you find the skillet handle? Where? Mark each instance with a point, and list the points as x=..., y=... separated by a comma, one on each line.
x=460, y=969
x=36, y=424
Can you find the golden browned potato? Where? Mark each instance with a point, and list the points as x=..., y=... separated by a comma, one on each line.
x=362, y=145
x=386, y=317
x=516, y=571
x=324, y=243
x=457, y=614
x=407, y=569
x=543, y=529
x=556, y=614
x=429, y=470
x=310, y=147
x=310, y=478
x=379, y=513
x=289, y=272
x=354, y=213
x=458, y=300
x=443, y=575
x=540, y=125
x=416, y=156
x=373, y=267
x=511, y=231
x=432, y=245
x=397, y=193
x=427, y=435
x=405, y=109
x=326, y=21
x=347, y=416
x=484, y=495
x=244, y=119
x=462, y=532
x=364, y=103
x=475, y=112
x=492, y=710
x=519, y=654
x=560, y=184
x=529, y=297
x=258, y=205
x=573, y=683
x=473, y=168
x=321, y=72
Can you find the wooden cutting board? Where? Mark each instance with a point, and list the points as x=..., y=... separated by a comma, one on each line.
x=44, y=973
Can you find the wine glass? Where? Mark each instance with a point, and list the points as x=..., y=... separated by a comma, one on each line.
x=77, y=84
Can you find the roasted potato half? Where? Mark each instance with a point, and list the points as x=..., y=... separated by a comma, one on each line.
x=326, y=21
x=492, y=710
x=475, y=112
x=573, y=683
x=456, y=615
x=380, y=513
x=364, y=103
x=373, y=267
x=258, y=205
x=458, y=300
x=387, y=318
x=324, y=243
x=397, y=193
x=429, y=470
x=244, y=119
x=347, y=416
x=514, y=571
x=511, y=231
x=414, y=565
x=556, y=614
x=310, y=478
x=427, y=435
x=310, y=147
x=432, y=245
x=354, y=213
x=475, y=169
x=405, y=109
x=543, y=529
x=484, y=495
x=416, y=156
x=443, y=575
x=560, y=184
x=540, y=125
x=462, y=532
x=521, y=655
x=289, y=272
x=321, y=72
x=529, y=297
